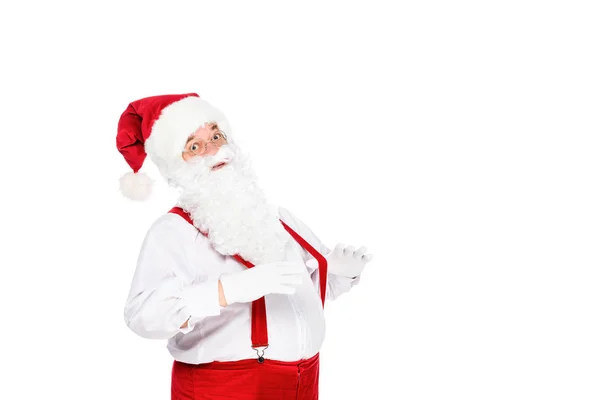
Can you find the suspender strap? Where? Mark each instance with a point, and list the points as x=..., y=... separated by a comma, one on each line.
x=260, y=335
x=318, y=256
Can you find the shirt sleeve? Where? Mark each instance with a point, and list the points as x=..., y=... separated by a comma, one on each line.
x=160, y=299
x=336, y=285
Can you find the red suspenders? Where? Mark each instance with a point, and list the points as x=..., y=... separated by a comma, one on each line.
x=259, y=312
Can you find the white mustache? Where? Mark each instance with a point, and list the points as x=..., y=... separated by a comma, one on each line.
x=224, y=155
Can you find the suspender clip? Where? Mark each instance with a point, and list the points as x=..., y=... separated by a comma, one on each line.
x=260, y=352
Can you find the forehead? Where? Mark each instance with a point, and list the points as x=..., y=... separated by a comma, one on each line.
x=204, y=132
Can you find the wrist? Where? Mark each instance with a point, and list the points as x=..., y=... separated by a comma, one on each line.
x=222, y=299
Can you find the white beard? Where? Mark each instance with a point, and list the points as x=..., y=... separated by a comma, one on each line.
x=228, y=205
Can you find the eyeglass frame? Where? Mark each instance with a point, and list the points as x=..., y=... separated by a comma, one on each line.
x=206, y=143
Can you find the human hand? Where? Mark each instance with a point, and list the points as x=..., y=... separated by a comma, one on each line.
x=346, y=261
x=260, y=280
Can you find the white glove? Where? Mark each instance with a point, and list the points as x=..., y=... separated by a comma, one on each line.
x=345, y=261
x=260, y=280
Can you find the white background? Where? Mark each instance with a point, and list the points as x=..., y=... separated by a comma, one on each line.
x=457, y=140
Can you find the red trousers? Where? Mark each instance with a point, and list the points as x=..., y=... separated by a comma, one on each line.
x=246, y=380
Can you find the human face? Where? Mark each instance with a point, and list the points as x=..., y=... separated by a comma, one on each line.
x=206, y=141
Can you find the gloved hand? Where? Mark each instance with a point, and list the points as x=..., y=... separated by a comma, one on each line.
x=260, y=280
x=345, y=261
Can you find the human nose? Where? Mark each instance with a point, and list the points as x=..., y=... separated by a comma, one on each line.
x=211, y=149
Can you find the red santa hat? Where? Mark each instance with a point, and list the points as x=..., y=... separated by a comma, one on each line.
x=159, y=126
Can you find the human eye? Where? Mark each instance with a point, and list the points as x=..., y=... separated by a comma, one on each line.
x=197, y=147
x=217, y=136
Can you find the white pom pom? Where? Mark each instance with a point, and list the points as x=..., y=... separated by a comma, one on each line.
x=136, y=186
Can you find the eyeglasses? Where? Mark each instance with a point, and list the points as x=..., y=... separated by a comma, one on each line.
x=199, y=146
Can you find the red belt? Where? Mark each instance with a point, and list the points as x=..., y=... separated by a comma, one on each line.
x=260, y=340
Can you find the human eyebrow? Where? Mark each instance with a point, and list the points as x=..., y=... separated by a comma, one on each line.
x=189, y=139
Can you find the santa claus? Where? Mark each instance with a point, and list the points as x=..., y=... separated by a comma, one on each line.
x=236, y=285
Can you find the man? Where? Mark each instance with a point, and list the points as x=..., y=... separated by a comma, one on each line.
x=236, y=285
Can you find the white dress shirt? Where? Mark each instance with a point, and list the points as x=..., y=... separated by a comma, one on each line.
x=177, y=277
